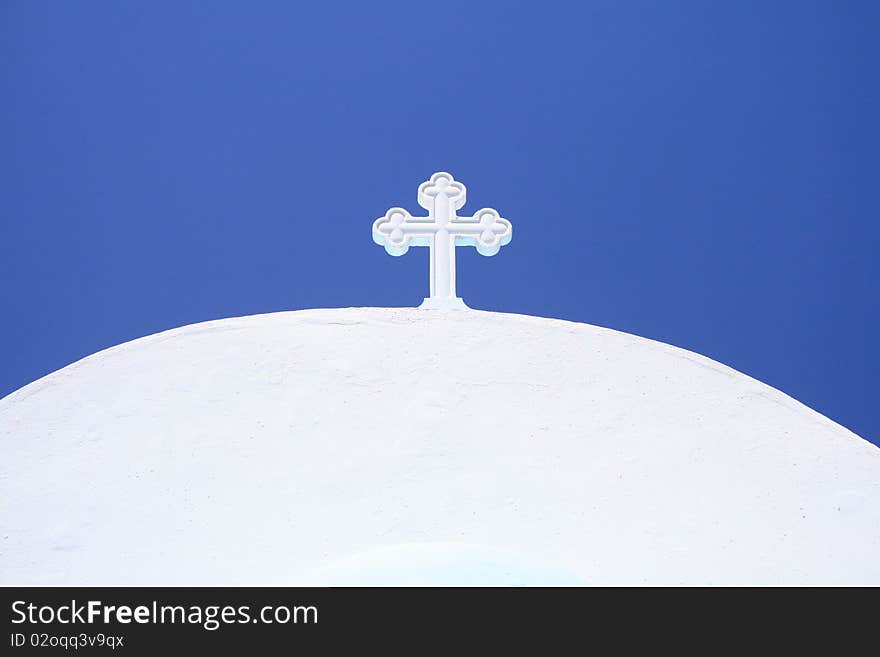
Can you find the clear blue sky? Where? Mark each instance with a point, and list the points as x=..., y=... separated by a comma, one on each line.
x=701, y=173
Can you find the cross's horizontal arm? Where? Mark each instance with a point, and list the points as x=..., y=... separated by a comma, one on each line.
x=486, y=230
x=475, y=228
x=413, y=225
x=398, y=230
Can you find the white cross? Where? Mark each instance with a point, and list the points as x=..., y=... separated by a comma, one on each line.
x=441, y=231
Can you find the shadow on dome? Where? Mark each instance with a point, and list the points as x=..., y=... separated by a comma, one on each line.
x=438, y=564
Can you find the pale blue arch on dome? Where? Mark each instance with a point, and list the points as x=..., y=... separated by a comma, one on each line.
x=440, y=564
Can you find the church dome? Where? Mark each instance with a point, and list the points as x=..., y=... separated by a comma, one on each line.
x=404, y=446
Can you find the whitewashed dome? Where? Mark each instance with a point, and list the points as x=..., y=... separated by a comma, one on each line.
x=402, y=446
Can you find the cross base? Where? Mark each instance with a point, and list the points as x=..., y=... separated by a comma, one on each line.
x=443, y=303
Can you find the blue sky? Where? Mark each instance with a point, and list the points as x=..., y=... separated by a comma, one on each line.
x=700, y=173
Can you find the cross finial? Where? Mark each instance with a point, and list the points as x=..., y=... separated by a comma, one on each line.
x=441, y=231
